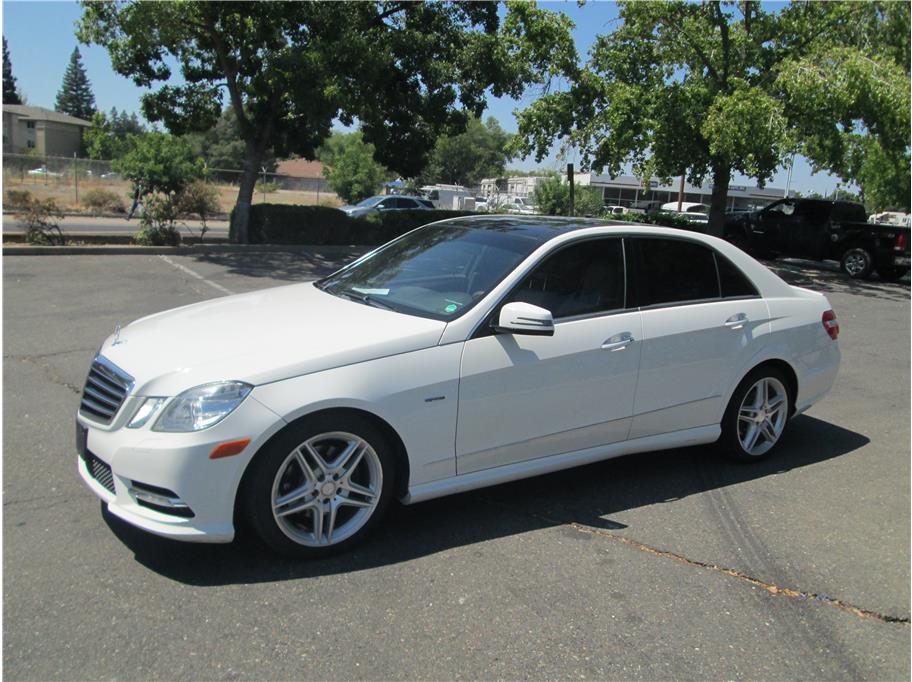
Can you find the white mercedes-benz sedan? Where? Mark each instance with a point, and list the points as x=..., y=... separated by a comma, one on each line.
x=463, y=354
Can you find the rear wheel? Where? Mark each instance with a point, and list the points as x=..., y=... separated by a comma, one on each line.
x=321, y=486
x=857, y=263
x=756, y=416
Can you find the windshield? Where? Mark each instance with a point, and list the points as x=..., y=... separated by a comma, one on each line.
x=371, y=201
x=438, y=271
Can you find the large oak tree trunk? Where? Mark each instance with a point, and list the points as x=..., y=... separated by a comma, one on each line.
x=721, y=179
x=240, y=218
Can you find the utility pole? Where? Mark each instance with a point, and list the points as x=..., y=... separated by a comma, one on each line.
x=76, y=176
x=570, y=182
x=788, y=180
x=681, y=193
x=264, y=183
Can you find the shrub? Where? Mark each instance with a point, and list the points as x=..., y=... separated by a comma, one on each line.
x=200, y=199
x=267, y=187
x=292, y=224
x=661, y=219
x=41, y=223
x=18, y=198
x=103, y=200
x=157, y=222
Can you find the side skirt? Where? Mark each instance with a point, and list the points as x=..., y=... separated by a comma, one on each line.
x=544, y=465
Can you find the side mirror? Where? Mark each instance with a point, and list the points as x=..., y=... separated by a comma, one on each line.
x=525, y=318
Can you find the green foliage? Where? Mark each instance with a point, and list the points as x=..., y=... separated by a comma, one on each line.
x=42, y=223
x=884, y=177
x=466, y=158
x=222, y=145
x=75, y=95
x=349, y=167
x=10, y=91
x=158, y=162
x=199, y=199
x=662, y=219
x=588, y=201
x=552, y=197
x=292, y=224
x=18, y=198
x=407, y=72
x=707, y=89
x=112, y=135
x=100, y=199
x=267, y=187
x=157, y=222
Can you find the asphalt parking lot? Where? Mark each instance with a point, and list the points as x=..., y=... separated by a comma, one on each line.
x=675, y=564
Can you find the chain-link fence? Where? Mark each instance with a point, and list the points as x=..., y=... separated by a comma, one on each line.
x=67, y=180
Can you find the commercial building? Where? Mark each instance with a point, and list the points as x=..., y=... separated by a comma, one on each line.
x=41, y=131
x=625, y=190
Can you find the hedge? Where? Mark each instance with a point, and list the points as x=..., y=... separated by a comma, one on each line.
x=292, y=224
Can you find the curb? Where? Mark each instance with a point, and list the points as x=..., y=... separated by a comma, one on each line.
x=195, y=249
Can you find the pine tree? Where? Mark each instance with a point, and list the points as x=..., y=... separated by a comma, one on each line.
x=10, y=93
x=75, y=97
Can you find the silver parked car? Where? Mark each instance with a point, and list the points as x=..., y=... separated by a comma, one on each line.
x=383, y=203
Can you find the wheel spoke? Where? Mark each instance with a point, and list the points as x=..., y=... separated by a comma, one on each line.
x=348, y=461
x=352, y=502
x=317, y=457
x=766, y=393
x=750, y=439
x=318, y=523
x=775, y=403
x=332, y=522
x=745, y=419
x=295, y=509
x=293, y=496
x=305, y=467
x=769, y=431
x=358, y=489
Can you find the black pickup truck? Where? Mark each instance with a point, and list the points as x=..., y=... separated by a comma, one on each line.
x=823, y=230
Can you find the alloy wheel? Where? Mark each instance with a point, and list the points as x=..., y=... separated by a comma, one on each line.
x=762, y=416
x=326, y=489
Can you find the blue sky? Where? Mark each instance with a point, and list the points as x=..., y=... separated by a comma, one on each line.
x=40, y=38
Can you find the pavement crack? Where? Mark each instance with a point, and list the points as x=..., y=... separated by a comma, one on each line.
x=789, y=592
x=41, y=362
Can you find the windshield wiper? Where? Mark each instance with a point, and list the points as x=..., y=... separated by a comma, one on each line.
x=365, y=298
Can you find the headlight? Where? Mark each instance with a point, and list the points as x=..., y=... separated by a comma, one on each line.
x=202, y=407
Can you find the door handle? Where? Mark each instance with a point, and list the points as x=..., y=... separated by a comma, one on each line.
x=618, y=342
x=736, y=321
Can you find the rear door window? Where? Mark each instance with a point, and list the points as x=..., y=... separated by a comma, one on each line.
x=670, y=271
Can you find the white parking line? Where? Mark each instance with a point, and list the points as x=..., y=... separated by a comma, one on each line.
x=183, y=268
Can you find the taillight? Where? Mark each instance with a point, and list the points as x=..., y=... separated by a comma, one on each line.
x=830, y=324
x=900, y=242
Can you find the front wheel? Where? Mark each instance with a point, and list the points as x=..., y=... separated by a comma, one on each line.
x=756, y=416
x=857, y=263
x=321, y=486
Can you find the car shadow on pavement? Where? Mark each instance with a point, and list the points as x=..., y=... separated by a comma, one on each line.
x=587, y=495
x=826, y=278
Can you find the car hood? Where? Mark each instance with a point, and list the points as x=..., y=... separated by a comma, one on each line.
x=260, y=337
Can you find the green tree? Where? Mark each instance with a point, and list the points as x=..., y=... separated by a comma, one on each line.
x=111, y=135
x=709, y=89
x=222, y=145
x=406, y=71
x=552, y=196
x=160, y=163
x=466, y=158
x=10, y=92
x=350, y=168
x=75, y=95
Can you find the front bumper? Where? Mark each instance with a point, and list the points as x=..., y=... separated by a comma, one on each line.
x=177, y=463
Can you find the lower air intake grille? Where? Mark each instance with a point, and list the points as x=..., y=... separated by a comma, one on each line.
x=100, y=471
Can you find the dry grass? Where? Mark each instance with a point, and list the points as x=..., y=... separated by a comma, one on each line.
x=63, y=192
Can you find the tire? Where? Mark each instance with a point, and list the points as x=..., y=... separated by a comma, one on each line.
x=857, y=263
x=888, y=274
x=336, y=473
x=747, y=405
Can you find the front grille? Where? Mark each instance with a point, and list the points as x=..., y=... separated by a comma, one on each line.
x=100, y=471
x=105, y=390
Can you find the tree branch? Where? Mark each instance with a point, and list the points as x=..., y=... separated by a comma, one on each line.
x=234, y=92
x=696, y=48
